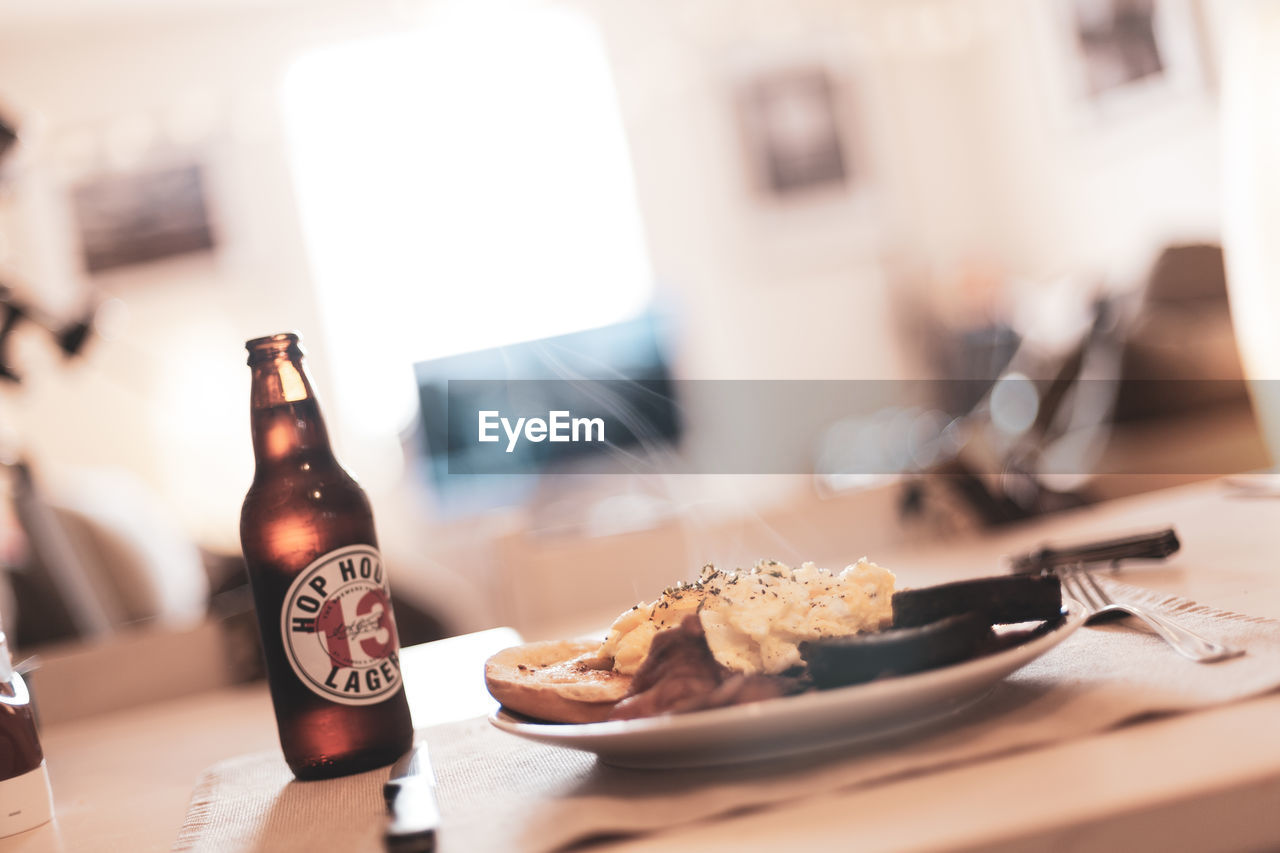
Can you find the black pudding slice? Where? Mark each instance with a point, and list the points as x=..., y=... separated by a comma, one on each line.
x=895, y=651
x=1001, y=600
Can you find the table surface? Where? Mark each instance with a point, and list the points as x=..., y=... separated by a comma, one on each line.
x=1206, y=780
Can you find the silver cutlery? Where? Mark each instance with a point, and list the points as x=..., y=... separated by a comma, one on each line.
x=1084, y=587
x=1153, y=545
x=411, y=803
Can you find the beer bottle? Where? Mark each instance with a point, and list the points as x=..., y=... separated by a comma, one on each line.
x=319, y=585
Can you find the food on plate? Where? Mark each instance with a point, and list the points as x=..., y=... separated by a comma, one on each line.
x=1003, y=600
x=561, y=680
x=680, y=674
x=936, y=626
x=895, y=651
x=755, y=621
x=745, y=632
x=736, y=637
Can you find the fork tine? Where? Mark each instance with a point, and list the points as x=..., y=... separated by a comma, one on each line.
x=1079, y=591
x=1088, y=591
x=1086, y=578
x=1065, y=583
x=1068, y=580
x=1064, y=578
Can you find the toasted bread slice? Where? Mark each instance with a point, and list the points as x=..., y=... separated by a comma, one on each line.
x=1002, y=600
x=562, y=681
x=841, y=661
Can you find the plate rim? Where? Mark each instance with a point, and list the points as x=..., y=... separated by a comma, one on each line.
x=1074, y=617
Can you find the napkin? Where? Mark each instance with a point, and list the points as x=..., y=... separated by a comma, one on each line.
x=502, y=793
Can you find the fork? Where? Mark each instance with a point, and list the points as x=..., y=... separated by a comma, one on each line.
x=1085, y=588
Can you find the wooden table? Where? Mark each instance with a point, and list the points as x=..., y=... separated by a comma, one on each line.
x=1208, y=780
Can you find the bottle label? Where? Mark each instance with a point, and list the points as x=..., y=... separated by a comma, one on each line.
x=339, y=632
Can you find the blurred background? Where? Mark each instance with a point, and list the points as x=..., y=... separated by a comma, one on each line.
x=1025, y=202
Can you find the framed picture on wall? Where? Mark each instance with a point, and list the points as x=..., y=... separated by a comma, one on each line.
x=794, y=130
x=140, y=216
x=1122, y=53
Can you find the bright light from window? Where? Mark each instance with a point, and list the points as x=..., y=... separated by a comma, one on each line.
x=462, y=187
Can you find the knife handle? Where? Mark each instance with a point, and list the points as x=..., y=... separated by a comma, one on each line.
x=1145, y=546
x=414, y=816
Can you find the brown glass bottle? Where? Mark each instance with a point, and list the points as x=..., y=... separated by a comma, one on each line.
x=324, y=610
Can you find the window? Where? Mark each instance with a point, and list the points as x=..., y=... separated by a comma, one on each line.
x=463, y=186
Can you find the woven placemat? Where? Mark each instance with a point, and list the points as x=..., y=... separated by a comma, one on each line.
x=501, y=793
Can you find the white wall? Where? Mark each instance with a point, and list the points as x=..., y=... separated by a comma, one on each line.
x=970, y=145
x=168, y=397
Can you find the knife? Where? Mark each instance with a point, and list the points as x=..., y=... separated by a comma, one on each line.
x=1146, y=546
x=410, y=793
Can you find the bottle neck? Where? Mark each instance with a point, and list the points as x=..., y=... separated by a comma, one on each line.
x=284, y=416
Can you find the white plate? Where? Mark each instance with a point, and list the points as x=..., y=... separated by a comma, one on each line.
x=794, y=724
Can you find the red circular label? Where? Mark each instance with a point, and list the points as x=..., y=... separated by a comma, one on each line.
x=338, y=628
x=354, y=626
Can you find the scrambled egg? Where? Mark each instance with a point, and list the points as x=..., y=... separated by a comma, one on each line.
x=755, y=621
